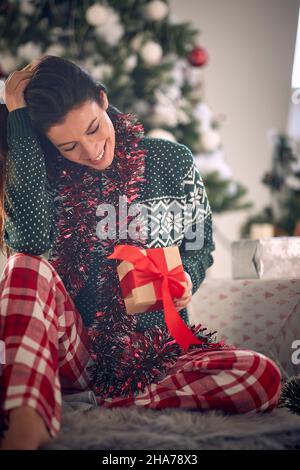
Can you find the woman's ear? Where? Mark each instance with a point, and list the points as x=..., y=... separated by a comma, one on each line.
x=104, y=98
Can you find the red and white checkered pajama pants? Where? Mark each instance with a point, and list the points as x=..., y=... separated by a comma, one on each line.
x=47, y=354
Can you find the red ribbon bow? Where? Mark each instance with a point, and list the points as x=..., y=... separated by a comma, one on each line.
x=147, y=270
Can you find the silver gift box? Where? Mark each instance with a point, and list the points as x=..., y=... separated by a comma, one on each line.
x=266, y=258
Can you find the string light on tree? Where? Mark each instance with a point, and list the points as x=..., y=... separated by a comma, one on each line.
x=97, y=15
x=210, y=140
x=151, y=53
x=156, y=10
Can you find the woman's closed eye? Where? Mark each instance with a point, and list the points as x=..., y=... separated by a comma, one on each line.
x=69, y=150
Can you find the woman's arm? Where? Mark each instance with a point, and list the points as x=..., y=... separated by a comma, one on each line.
x=196, y=254
x=30, y=226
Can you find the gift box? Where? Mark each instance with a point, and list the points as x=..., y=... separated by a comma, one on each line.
x=266, y=258
x=150, y=279
x=140, y=297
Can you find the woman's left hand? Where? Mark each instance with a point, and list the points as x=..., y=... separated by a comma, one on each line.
x=187, y=296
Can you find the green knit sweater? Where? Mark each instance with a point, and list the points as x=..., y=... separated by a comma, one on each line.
x=172, y=179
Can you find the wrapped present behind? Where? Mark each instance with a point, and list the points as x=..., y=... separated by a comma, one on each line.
x=150, y=279
x=267, y=258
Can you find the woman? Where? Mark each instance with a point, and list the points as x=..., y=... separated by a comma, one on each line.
x=66, y=153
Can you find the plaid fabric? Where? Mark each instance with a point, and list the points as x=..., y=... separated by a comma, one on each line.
x=45, y=340
x=47, y=354
x=236, y=381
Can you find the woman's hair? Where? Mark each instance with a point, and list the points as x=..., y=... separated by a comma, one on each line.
x=56, y=87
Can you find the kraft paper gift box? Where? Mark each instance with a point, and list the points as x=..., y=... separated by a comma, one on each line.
x=266, y=258
x=150, y=279
x=147, y=297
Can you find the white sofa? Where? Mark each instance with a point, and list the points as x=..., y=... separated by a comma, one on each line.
x=258, y=314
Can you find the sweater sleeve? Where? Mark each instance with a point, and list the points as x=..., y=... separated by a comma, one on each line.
x=198, y=244
x=30, y=226
x=196, y=256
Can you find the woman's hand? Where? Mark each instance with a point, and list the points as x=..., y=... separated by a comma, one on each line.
x=187, y=296
x=13, y=93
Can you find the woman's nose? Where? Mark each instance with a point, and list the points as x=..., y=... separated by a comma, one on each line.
x=90, y=152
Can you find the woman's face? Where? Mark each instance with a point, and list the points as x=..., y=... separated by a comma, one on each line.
x=87, y=136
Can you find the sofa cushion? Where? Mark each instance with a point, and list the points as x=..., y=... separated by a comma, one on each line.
x=262, y=315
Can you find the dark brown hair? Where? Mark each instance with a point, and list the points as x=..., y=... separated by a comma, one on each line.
x=56, y=87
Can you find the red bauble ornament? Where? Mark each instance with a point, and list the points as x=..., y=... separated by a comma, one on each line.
x=198, y=56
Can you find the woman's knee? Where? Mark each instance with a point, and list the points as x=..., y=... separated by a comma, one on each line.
x=263, y=382
x=30, y=262
x=271, y=383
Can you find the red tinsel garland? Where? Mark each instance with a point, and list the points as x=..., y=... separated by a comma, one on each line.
x=125, y=361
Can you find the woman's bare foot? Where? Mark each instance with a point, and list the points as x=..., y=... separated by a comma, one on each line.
x=26, y=431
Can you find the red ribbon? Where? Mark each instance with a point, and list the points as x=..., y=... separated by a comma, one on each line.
x=150, y=269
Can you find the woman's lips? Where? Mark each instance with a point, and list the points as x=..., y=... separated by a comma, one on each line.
x=103, y=155
x=100, y=154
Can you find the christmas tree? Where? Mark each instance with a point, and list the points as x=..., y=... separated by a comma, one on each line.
x=283, y=181
x=151, y=64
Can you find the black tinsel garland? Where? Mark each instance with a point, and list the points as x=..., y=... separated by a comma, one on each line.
x=132, y=360
x=290, y=395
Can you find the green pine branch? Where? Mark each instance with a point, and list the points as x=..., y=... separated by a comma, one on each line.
x=220, y=194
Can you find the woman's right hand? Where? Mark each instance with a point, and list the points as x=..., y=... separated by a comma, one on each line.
x=13, y=93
